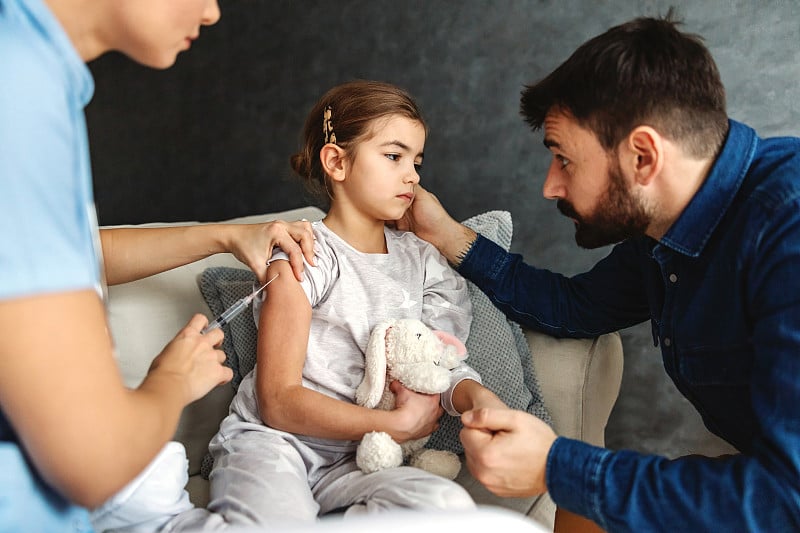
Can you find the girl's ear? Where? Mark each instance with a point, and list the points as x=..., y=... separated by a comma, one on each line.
x=332, y=158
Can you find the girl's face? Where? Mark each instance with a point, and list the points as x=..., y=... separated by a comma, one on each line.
x=153, y=32
x=384, y=169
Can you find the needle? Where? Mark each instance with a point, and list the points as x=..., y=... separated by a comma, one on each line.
x=231, y=312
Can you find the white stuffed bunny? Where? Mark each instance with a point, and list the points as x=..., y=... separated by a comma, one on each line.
x=421, y=359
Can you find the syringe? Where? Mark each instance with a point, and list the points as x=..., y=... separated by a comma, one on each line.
x=231, y=312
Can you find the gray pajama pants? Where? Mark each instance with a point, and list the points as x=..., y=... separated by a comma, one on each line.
x=266, y=477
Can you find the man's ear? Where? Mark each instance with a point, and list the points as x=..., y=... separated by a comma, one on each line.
x=645, y=154
x=332, y=158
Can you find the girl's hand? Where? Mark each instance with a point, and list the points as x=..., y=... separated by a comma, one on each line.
x=417, y=414
x=252, y=244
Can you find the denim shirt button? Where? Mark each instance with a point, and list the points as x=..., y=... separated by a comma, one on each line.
x=667, y=341
x=673, y=278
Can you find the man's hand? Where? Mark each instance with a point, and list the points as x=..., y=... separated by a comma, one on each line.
x=431, y=222
x=506, y=450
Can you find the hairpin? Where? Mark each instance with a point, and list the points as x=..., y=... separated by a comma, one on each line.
x=327, y=125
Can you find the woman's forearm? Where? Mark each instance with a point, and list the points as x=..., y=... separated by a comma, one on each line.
x=76, y=436
x=134, y=253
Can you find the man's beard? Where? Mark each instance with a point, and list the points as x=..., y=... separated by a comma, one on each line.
x=617, y=216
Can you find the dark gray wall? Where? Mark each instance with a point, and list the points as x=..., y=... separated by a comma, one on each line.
x=210, y=138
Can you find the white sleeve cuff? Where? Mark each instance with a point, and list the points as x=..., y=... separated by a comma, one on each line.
x=460, y=373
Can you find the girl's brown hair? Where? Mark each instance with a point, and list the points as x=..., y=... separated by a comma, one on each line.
x=353, y=107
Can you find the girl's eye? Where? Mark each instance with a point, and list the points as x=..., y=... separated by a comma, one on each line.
x=418, y=167
x=563, y=161
x=393, y=157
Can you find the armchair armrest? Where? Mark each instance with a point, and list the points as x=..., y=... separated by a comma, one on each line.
x=580, y=380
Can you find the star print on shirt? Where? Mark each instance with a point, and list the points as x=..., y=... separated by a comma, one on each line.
x=408, y=303
x=435, y=270
x=334, y=318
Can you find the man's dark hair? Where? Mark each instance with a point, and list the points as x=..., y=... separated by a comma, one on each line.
x=642, y=72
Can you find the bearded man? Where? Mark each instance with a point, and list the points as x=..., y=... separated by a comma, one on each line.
x=705, y=218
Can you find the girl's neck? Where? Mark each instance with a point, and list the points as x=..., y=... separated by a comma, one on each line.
x=363, y=233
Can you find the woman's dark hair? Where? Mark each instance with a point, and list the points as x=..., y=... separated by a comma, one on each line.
x=643, y=72
x=353, y=107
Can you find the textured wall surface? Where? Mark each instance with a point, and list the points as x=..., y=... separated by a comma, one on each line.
x=211, y=137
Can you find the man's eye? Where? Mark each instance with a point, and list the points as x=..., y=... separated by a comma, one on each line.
x=562, y=161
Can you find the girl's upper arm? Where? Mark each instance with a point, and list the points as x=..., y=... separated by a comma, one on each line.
x=283, y=328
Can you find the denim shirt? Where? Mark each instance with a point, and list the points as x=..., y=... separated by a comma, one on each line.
x=722, y=292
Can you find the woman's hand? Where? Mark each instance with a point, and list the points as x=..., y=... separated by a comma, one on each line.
x=193, y=359
x=252, y=244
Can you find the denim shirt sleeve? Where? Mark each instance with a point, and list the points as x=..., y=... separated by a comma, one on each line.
x=758, y=490
x=607, y=298
x=628, y=491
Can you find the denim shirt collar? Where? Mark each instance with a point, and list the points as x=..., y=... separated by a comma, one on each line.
x=690, y=233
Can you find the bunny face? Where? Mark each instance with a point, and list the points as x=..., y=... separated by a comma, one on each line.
x=418, y=357
x=410, y=352
x=411, y=341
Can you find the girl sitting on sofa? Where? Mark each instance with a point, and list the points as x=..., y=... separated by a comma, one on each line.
x=287, y=449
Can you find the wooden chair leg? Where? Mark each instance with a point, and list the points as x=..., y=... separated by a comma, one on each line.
x=567, y=522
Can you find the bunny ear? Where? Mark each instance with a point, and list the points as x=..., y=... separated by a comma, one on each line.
x=370, y=391
x=452, y=340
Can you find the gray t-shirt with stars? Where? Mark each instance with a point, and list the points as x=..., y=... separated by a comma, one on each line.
x=351, y=292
